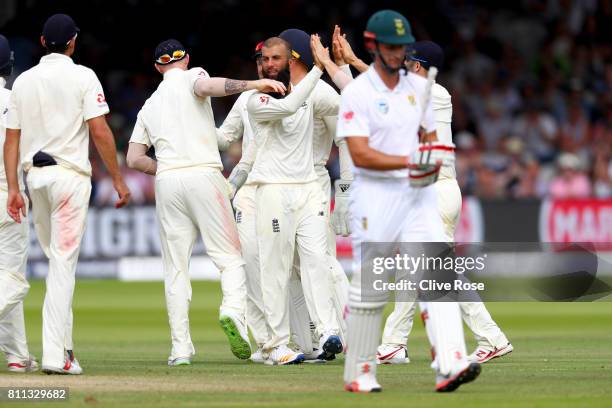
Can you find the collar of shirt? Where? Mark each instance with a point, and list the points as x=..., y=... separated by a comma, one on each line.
x=378, y=83
x=172, y=71
x=56, y=57
x=2, y=82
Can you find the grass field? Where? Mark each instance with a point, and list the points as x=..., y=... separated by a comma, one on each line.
x=562, y=358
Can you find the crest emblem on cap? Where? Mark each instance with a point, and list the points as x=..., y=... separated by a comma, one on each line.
x=399, y=26
x=412, y=100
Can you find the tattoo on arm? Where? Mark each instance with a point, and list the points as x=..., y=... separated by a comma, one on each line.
x=233, y=86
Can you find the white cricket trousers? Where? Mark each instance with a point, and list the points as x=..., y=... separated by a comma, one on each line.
x=14, y=243
x=290, y=214
x=298, y=312
x=188, y=201
x=244, y=203
x=60, y=200
x=388, y=210
x=399, y=323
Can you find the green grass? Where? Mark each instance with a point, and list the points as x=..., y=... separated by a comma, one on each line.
x=562, y=358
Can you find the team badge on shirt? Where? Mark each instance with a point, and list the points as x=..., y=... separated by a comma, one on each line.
x=382, y=105
x=412, y=100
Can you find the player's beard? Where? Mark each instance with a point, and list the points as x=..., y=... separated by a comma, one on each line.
x=283, y=76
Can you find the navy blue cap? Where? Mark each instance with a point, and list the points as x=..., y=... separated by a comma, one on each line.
x=169, y=47
x=6, y=55
x=59, y=29
x=300, y=45
x=428, y=53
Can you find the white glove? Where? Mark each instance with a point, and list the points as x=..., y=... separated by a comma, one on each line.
x=341, y=216
x=439, y=153
x=424, y=168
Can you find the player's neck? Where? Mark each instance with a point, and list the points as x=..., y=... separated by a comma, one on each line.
x=389, y=79
x=297, y=76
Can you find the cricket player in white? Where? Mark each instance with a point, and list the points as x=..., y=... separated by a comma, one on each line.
x=237, y=123
x=53, y=109
x=235, y=126
x=380, y=116
x=290, y=205
x=14, y=243
x=491, y=340
x=191, y=193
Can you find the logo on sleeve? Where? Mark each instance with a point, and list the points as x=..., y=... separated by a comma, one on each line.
x=348, y=116
x=264, y=100
x=412, y=100
x=275, y=225
x=101, y=99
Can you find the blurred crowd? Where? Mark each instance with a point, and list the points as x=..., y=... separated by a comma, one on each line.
x=531, y=81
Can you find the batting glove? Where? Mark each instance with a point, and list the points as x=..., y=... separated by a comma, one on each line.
x=424, y=167
x=439, y=153
x=341, y=215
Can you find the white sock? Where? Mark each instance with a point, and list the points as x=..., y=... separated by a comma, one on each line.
x=363, y=335
x=299, y=318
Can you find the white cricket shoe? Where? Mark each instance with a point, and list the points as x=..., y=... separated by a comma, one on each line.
x=329, y=346
x=71, y=366
x=484, y=353
x=392, y=354
x=179, y=361
x=452, y=381
x=19, y=365
x=258, y=356
x=283, y=355
x=365, y=382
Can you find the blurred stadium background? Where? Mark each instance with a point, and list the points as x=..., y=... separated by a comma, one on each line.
x=531, y=82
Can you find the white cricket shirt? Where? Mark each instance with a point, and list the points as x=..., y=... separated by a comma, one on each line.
x=51, y=104
x=324, y=127
x=236, y=125
x=5, y=94
x=388, y=118
x=283, y=130
x=178, y=123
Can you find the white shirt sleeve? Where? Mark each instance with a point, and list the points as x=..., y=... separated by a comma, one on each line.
x=327, y=103
x=140, y=134
x=262, y=107
x=353, y=116
x=13, y=116
x=193, y=75
x=232, y=128
x=429, y=121
x=94, y=101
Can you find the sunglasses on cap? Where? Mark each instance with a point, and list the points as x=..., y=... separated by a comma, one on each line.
x=167, y=58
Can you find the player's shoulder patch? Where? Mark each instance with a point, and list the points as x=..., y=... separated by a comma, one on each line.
x=199, y=71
